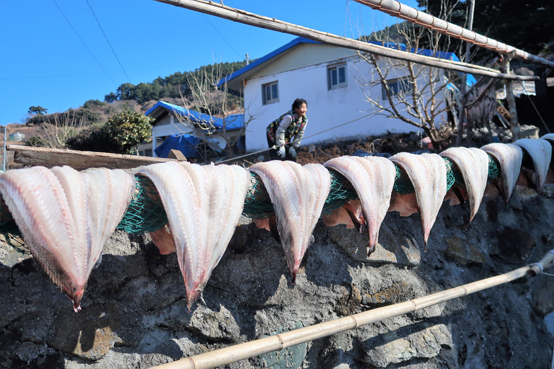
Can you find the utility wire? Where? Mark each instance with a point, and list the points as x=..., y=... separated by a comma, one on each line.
x=108, y=41
x=228, y=43
x=532, y=103
x=74, y=30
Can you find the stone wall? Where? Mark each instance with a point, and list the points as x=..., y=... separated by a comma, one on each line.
x=135, y=315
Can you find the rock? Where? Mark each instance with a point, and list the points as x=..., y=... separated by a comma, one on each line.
x=463, y=252
x=514, y=245
x=390, y=249
x=529, y=131
x=548, y=190
x=289, y=358
x=424, y=344
x=542, y=296
x=549, y=322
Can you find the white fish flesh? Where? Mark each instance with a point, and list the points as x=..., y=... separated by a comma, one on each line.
x=474, y=165
x=298, y=194
x=509, y=157
x=541, y=153
x=66, y=217
x=428, y=175
x=203, y=205
x=373, y=180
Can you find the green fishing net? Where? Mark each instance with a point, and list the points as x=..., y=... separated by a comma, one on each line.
x=147, y=214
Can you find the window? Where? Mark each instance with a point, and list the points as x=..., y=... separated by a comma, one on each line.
x=270, y=93
x=398, y=86
x=336, y=76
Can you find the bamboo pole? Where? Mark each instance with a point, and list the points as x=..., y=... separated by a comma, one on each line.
x=402, y=11
x=280, y=341
x=241, y=16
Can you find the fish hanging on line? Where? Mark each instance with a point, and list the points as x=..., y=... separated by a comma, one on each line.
x=203, y=205
x=373, y=180
x=509, y=157
x=298, y=194
x=540, y=152
x=428, y=175
x=66, y=217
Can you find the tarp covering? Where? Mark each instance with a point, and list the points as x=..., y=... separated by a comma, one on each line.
x=184, y=143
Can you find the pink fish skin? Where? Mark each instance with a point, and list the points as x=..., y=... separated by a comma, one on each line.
x=474, y=165
x=298, y=194
x=52, y=210
x=541, y=152
x=373, y=180
x=428, y=175
x=203, y=205
x=509, y=157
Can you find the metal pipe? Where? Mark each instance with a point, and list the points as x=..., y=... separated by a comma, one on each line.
x=397, y=9
x=280, y=341
x=241, y=16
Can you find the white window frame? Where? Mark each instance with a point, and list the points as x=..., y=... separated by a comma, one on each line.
x=272, y=89
x=336, y=69
x=395, y=89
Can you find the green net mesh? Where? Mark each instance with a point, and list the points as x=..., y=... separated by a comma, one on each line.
x=147, y=214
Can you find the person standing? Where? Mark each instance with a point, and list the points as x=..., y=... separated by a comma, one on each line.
x=280, y=132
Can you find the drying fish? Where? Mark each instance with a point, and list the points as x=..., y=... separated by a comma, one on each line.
x=509, y=157
x=298, y=194
x=203, y=205
x=541, y=153
x=66, y=217
x=405, y=204
x=428, y=175
x=550, y=138
x=163, y=240
x=350, y=214
x=474, y=165
x=373, y=179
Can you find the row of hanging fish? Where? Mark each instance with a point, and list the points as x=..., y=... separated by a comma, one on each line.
x=66, y=216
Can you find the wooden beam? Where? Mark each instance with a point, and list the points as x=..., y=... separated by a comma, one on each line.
x=29, y=155
x=241, y=16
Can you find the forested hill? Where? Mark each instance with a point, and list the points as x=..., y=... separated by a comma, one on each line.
x=172, y=86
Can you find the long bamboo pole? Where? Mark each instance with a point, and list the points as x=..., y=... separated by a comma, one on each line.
x=397, y=9
x=283, y=340
x=241, y=16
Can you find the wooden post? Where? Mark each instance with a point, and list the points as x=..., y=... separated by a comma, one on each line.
x=514, y=122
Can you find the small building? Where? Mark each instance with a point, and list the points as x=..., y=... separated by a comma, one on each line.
x=170, y=119
x=331, y=79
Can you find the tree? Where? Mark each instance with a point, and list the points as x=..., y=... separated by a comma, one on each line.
x=127, y=129
x=56, y=131
x=414, y=94
x=111, y=97
x=38, y=110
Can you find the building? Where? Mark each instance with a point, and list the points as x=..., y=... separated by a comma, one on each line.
x=170, y=119
x=331, y=79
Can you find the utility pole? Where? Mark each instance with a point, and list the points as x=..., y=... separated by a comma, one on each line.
x=514, y=121
x=463, y=98
x=5, y=138
x=247, y=59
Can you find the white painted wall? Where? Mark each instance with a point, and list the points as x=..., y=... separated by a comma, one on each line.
x=326, y=108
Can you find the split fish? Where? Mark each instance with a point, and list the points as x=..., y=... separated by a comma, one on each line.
x=203, y=205
x=474, y=165
x=509, y=157
x=541, y=152
x=66, y=217
x=350, y=214
x=298, y=194
x=428, y=175
x=550, y=138
x=373, y=180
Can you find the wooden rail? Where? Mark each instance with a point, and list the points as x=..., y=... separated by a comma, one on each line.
x=28, y=155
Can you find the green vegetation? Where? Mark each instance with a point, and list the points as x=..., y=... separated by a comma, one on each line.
x=38, y=110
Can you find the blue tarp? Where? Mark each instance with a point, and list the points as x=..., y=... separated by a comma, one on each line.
x=185, y=143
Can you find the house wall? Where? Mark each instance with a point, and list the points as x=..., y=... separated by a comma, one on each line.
x=326, y=108
x=167, y=126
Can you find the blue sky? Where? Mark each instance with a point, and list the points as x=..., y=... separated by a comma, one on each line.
x=44, y=62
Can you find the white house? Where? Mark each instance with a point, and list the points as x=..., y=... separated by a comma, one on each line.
x=328, y=77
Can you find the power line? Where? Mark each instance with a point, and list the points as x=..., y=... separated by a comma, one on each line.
x=108, y=41
x=228, y=43
x=74, y=30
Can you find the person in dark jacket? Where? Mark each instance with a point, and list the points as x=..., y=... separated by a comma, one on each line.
x=286, y=132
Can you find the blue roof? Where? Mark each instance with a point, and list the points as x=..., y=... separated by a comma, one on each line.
x=235, y=121
x=301, y=40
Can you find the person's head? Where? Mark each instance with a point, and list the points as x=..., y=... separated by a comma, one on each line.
x=300, y=106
